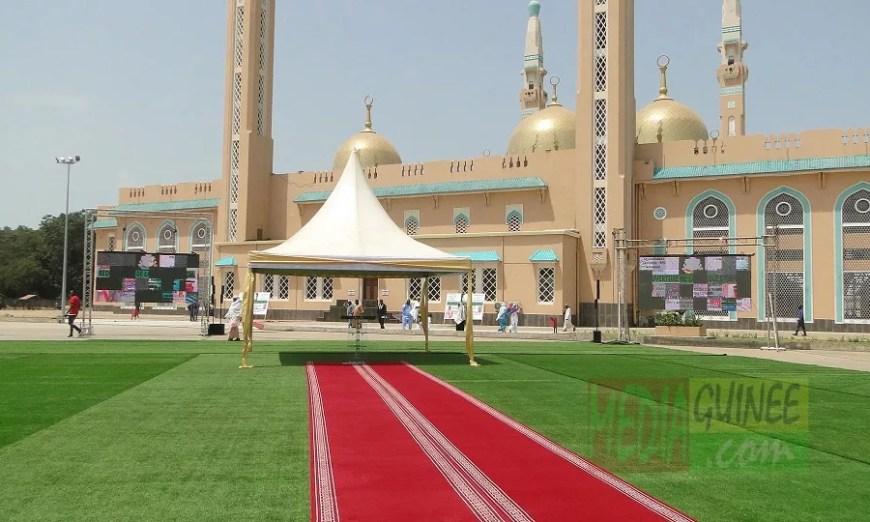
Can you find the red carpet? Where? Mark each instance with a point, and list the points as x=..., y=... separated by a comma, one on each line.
x=392, y=443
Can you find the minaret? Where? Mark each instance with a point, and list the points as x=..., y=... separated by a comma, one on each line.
x=247, y=144
x=533, y=97
x=605, y=139
x=732, y=72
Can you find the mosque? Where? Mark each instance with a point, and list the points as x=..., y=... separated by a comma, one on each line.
x=540, y=222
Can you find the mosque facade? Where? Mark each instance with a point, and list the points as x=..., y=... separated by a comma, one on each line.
x=541, y=222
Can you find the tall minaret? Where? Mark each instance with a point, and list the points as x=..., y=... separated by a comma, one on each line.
x=533, y=97
x=605, y=117
x=605, y=138
x=732, y=72
x=247, y=144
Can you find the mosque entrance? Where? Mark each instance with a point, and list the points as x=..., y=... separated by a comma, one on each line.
x=370, y=289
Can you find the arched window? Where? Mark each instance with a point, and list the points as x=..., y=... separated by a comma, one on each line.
x=514, y=221
x=461, y=223
x=135, y=237
x=412, y=225
x=710, y=224
x=167, y=237
x=200, y=236
x=732, y=126
x=786, y=267
x=710, y=221
x=853, y=255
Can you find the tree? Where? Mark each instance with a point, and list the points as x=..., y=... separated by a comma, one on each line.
x=51, y=252
x=31, y=260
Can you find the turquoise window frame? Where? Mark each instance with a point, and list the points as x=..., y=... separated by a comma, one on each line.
x=839, y=312
x=129, y=230
x=732, y=225
x=808, y=251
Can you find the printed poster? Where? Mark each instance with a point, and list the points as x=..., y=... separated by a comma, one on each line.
x=713, y=264
x=261, y=303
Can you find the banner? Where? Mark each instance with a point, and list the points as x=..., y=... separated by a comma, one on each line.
x=261, y=303
x=699, y=282
x=143, y=277
x=451, y=307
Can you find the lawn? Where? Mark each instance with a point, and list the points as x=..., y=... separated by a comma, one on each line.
x=174, y=430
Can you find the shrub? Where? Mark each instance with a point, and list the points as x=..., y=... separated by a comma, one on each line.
x=687, y=318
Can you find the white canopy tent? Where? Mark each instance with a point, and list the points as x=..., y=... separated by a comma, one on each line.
x=353, y=236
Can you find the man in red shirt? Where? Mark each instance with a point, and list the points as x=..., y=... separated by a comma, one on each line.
x=75, y=304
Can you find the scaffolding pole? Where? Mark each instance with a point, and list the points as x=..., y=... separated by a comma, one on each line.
x=771, y=245
x=90, y=216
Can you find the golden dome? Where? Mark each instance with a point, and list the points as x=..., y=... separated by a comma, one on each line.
x=551, y=128
x=373, y=148
x=665, y=119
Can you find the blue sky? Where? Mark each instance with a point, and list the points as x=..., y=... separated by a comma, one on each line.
x=136, y=88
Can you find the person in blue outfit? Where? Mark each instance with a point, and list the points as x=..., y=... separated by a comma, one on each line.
x=406, y=315
x=502, y=317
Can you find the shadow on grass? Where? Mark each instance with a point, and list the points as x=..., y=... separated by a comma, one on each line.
x=416, y=358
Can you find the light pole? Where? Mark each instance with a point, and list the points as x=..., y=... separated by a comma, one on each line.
x=69, y=161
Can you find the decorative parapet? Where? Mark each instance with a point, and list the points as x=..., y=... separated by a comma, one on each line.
x=763, y=167
x=432, y=189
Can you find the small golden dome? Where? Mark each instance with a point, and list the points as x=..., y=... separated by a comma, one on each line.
x=665, y=119
x=552, y=128
x=373, y=148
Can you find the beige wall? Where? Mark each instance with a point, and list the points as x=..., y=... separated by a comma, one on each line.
x=822, y=191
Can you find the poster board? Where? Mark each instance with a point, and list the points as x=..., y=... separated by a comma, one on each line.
x=143, y=277
x=261, y=303
x=700, y=282
x=451, y=307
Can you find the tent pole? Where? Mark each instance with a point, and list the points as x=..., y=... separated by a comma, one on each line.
x=424, y=310
x=469, y=321
x=248, y=319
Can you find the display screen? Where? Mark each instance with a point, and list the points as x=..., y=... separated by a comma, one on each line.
x=142, y=277
x=702, y=283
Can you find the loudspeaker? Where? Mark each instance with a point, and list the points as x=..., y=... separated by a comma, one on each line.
x=216, y=329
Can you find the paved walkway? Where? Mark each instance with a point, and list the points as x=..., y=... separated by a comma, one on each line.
x=828, y=358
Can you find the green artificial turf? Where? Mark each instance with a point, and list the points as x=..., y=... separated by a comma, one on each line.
x=174, y=430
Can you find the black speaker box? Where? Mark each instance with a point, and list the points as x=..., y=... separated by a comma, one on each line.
x=216, y=329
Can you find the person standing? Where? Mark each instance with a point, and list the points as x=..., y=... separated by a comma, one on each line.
x=567, y=324
x=234, y=316
x=192, y=310
x=515, y=317
x=74, y=305
x=358, y=311
x=348, y=311
x=460, y=316
x=502, y=317
x=137, y=306
x=801, y=325
x=406, y=315
x=382, y=312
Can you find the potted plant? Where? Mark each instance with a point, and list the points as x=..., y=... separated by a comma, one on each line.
x=678, y=324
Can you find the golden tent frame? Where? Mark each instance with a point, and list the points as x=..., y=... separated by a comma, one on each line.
x=248, y=304
x=352, y=235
